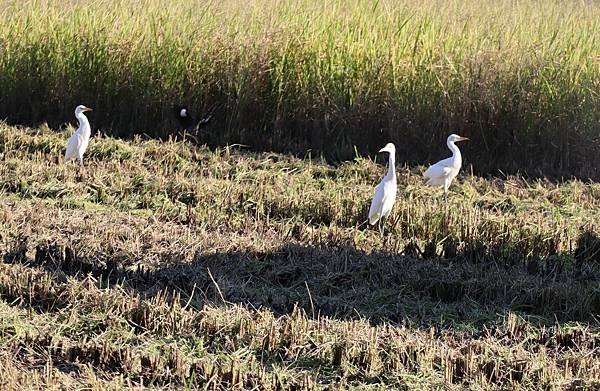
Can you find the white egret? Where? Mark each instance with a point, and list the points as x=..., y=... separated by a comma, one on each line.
x=79, y=140
x=443, y=172
x=385, y=192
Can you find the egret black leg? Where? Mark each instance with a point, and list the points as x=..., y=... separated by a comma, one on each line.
x=446, y=212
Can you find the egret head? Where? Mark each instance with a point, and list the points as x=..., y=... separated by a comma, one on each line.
x=389, y=147
x=81, y=109
x=183, y=113
x=455, y=137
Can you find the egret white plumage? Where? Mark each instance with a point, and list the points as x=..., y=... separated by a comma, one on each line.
x=443, y=172
x=79, y=140
x=385, y=192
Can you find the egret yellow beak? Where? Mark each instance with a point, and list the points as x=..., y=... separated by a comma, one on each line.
x=463, y=139
x=87, y=109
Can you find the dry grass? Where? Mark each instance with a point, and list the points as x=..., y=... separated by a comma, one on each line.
x=164, y=264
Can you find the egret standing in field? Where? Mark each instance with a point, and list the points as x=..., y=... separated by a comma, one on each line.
x=443, y=172
x=79, y=140
x=385, y=192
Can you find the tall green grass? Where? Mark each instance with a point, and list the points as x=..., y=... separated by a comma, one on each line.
x=519, y=78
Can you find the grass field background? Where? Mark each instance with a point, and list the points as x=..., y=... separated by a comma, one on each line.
x=165, y=263
x=519, y=78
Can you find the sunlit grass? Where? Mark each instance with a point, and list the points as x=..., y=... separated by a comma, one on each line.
x=518, y=77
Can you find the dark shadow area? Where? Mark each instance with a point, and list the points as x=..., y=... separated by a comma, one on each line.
x=496, y=145
x=466, y=285
x=588, y=248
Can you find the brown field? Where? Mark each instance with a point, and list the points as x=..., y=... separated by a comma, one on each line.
x=162, y=264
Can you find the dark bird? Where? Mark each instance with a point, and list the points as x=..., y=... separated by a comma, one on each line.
x=188, y=121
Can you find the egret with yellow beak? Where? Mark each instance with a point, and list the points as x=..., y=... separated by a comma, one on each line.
x=78, y=142
x=385, y=192
x=443, y=172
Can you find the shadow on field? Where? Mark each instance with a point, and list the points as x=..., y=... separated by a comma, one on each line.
x=469, y=285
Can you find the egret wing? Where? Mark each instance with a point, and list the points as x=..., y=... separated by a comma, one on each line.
x=389, y=198
x=439, y=169
x=73, y=145
x=376, y=204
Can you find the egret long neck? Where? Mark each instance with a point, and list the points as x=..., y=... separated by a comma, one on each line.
x=391, y=173
x=84, y=124
x=456, y=156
